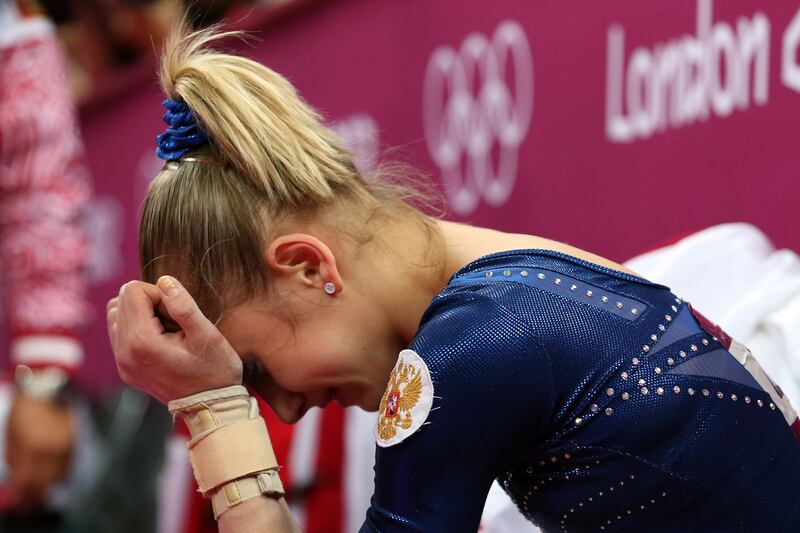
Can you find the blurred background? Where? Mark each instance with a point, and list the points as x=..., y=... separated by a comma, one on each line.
x=658, y=133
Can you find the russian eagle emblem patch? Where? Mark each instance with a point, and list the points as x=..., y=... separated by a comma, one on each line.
x=407, y=400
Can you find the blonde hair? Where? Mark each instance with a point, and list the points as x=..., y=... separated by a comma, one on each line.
x=209, y=224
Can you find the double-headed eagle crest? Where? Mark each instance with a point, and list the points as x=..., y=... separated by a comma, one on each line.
x=402, y=394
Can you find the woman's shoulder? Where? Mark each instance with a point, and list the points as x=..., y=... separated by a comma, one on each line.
x=532, y=298
x=460, y=313
x=487, y=242
x=522, y=281
x=470, y=326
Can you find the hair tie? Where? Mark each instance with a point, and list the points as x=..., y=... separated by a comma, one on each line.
x=183, y=134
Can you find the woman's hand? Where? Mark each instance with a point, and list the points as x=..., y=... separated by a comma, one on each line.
x=168, y=365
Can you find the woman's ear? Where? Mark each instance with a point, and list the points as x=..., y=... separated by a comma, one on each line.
x=307, y=258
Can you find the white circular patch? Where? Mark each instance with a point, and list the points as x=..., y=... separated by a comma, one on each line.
x=407, y=401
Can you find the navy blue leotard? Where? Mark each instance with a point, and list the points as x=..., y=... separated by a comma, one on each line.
x=597, y=399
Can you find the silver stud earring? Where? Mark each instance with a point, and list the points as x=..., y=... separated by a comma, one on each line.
x=329, y=288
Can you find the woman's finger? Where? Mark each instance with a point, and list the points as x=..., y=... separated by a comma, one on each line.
x=111, y=322
x=137, y=304
x=112, y=315
x=138, y=296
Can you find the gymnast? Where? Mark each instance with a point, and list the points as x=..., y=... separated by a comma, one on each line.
x=598, y=399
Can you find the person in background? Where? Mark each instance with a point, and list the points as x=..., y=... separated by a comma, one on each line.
x=65, y=461
x=44, y=187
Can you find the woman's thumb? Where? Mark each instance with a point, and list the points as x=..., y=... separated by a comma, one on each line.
x=182, y=308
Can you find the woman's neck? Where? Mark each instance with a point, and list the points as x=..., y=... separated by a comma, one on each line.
x=430, y=256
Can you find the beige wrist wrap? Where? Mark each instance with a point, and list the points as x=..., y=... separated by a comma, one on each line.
x=230, y=449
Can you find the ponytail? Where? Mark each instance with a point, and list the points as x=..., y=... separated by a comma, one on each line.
x=255, y=119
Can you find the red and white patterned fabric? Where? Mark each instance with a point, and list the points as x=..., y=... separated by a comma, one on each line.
x=44, y=187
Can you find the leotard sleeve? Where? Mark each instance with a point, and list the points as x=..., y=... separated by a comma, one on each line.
x=492, y=394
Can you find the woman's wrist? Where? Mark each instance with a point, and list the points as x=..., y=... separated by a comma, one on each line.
x=230, y=450
x=209, y=410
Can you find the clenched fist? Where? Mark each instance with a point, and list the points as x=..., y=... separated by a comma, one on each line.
x=166, y=364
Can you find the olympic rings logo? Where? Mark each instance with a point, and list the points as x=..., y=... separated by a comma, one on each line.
x=468, y=107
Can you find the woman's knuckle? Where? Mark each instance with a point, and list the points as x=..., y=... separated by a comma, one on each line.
x=139, y=344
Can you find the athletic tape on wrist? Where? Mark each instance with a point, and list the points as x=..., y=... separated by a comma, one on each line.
x=230, y=450
x=187, y=402
x=238, y=491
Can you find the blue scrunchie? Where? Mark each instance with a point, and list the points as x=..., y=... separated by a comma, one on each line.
x=183, y=134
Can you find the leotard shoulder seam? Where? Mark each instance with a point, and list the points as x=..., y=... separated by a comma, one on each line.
x=481, y=262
